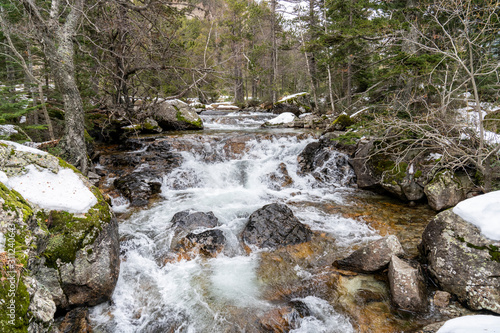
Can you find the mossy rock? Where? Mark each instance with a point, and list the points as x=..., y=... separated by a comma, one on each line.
x=68, y=233
x=15, y=299
x=492, y=121
x=341, y=123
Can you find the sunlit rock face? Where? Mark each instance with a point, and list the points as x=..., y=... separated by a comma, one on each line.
x=463, y=261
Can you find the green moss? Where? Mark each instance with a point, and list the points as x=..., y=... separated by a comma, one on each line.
x=69, y=232
x=20, y=299
x=64, y=164
x=197, y=123
x=494, y=251
x=16, y=293
x=348, y=138
x=87, y=137
x=15, y=203
x=342, y=122
x=391, y=172
x=418, y=174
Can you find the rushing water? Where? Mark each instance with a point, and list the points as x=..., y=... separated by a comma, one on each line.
x=230, y=293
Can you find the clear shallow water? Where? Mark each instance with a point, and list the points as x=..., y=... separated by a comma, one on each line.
x=225, y=294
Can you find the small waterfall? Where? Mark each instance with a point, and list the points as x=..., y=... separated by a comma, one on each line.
x=234, y=176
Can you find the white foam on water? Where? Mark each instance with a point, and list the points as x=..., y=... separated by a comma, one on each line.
x=201, y=295
x=323, y=318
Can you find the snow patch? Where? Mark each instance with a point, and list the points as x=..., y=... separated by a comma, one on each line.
x=20, y=147
x=283, y=118
x=482, y=211
x=434, y=157
x=472, y=324
x=62, y=191
x=7, y=130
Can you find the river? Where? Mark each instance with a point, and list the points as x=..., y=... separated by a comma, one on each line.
x=233, y=168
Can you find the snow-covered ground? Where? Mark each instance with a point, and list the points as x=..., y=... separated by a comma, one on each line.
x=484, y=212
x=472, y=324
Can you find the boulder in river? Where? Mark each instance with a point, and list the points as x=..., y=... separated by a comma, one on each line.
x=274, y=226
x=61, y=233
x=463, y=261
x=175, y=115
x=408, y=290
x=373, y=257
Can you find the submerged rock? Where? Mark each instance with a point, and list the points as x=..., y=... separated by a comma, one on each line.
x=463, y=261
x=407, y=284
x=76, y=321
x=273, y=226
x=373, y=257
x=208, y=243
x=66, y=242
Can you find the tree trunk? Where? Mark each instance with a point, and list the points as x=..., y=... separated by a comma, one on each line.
x=55, y=34
x=274, y=52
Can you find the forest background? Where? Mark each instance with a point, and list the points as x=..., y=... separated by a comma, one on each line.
x=410, y=67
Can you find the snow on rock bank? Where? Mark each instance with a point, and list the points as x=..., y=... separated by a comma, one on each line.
x=39, y=178
x=52, y=191
x=484, y=212
x=472, y=324
x=283, y=118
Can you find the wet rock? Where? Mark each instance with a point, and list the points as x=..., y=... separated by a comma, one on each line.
x=273, y=226
x=373, y=257
x=407, y=285
x=282, y=319
x=463, y=261
x=138, y=187
x=208, y=243
x=188, y=220
x=138, y=174
x=76, y=321
x=281, y=178
x=444, y=191
x=441, y=299
x=175, y=115
x=307, y=159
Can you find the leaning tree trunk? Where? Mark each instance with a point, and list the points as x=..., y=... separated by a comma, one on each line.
x=55, y=30
x=60, y=57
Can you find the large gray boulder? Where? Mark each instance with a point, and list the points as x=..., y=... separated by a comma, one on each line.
x=408, y=291
x=175, y=115
x=67, y=233
x=373, y=257
x=463, y=261
x=273, y=226
x=445, y=190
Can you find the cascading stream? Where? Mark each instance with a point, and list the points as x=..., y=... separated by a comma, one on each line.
x=225, y=294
